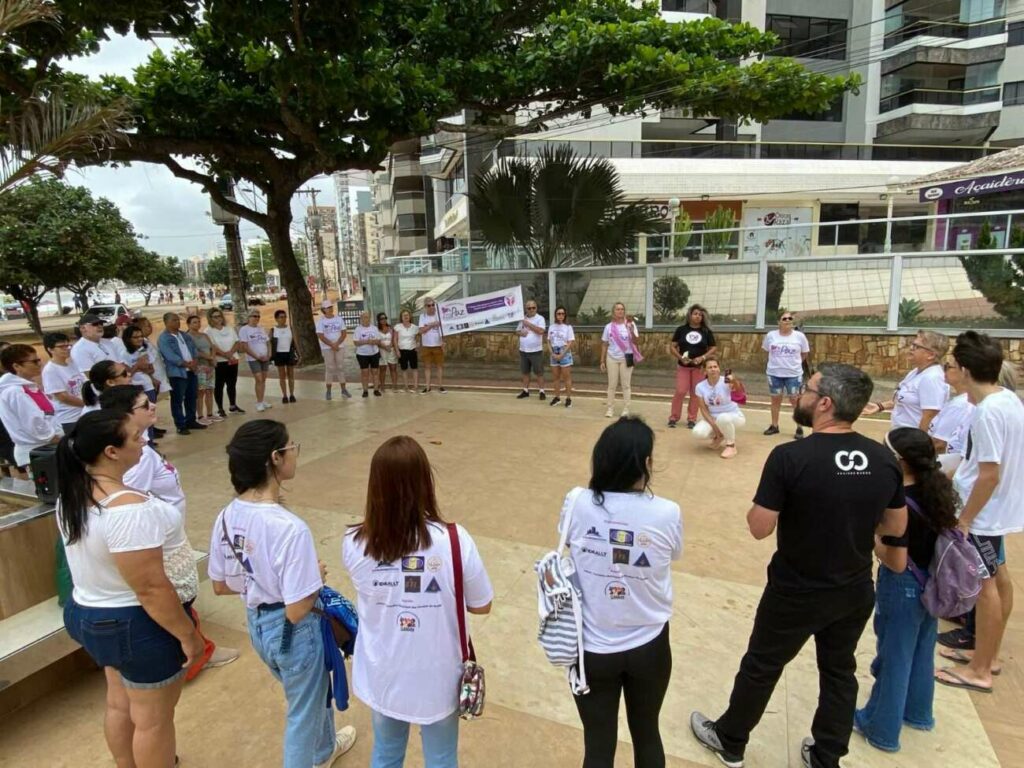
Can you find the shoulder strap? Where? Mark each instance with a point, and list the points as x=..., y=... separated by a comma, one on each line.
x=567, y=508
x=119, y=494
x=460, y=598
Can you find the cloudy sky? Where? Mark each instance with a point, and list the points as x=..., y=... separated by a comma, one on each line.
x=171, y=214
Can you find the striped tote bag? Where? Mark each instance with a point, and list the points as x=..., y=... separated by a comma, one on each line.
x=559, y=606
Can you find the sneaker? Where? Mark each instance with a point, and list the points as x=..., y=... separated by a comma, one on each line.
x=555, y=400
x=365, y=393
x=672, y=423
x=961, y=639
x=609, y=413
x=260, y=408
x=377, y=393
x=568, y=402
x=195, y=425
x=284, y=400
x=328, y=395
x=542, y=395
x=799, y=433
x=625, y=413
x=221, y=657
x=215, y=418
x=690, y=423
x=704, y=731
x=235, y=409
x=158, y=433
x=729, y=452
x=442, y=390
x=291, y=398
x=425, y=391
x=183, y=431
x=772, y=430
x=345, y=393
x=343, y=741
x=267, y=406
x=222, y=414
x=805, y=751
x=205, y=421
x=522, y=395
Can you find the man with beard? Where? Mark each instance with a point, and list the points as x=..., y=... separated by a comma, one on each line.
x=829, y=495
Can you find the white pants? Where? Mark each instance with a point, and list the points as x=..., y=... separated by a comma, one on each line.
x=618, y=373
x=333, y=365
x=727, y=422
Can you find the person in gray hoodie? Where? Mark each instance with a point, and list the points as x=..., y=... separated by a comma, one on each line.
x=26, y=412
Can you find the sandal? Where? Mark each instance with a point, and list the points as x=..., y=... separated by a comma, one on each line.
x=958, y=681
x=959, y=657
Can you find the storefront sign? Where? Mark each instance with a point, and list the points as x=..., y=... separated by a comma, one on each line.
x=769, y=231
x=457, y=215
x=483, y=311
x=983, y=185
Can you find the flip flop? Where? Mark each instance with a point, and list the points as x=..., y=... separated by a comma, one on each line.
x=959, y=682
x=959, y=657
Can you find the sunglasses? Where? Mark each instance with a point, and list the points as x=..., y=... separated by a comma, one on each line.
x=33, y=361
x=786, y=319
x=294, y=446
x=429, y=305
x=122, y=375
x=915, y=346
x=148, y=406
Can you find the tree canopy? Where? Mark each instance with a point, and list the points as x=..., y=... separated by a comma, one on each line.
x=147, y=271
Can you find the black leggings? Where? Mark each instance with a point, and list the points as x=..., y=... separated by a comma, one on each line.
x=224, y=375
x=642, y=674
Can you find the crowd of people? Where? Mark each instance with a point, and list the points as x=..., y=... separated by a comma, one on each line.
x=953, y=459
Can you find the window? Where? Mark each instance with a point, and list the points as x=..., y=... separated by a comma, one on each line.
x=808, y=36
x=838, y=235
x=1013, y=94
x=411, y=222
x=690, y=6
x=1015, y=33
x=832, y=114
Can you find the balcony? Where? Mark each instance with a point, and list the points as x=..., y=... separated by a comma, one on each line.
x=944, y=29
x=942, y=97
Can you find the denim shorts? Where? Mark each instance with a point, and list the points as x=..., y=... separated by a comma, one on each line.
x=785, y=385
x=566, y=360
x=259, y=366
x=128, y=640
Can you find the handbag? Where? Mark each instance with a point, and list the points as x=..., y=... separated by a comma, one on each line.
x=472, y=687
x=738, y=396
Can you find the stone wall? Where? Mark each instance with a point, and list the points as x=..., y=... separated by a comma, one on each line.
x=880, y=355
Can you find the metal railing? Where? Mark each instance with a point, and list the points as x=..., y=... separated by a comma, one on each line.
x=940, y=96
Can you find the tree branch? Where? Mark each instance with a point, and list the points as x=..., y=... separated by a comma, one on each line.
x=210, y=185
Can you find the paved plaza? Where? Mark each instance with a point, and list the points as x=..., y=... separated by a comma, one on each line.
x=503, y=467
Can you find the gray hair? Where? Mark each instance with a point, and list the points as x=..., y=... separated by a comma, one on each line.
x=937, y=343
x=1008, y=376
x=849, y=389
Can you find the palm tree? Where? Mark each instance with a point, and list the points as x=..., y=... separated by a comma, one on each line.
x=559, y=209
x=44, y=127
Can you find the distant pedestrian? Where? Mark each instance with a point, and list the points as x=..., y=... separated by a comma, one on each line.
x=78, y=303
x=117, y=297
x=181, y=295
x=787, y=350
x=617, y=358
x=431, y=345
x=202, y=295
x=285, y=355
x=531, y=349
x=561, y=340
x=692, y=344
x=330, y=329
x=367, y=340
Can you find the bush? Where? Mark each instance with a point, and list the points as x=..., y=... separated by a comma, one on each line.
x=998, y=278
x=670, y=295
x=773, y=294
x=910, y=310
x=599, y=316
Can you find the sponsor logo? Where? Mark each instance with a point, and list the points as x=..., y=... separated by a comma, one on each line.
x=593, y=533
x=388, y=583
x=621, y=537
x=616, y=590
x=413, y=563
x=642, y=561
x=774, y=218
x=408, y=622
x=412, y=583
x=384, y=566
x=933, y=193
x=694, y=337
x=434, y=564
x=851, y=461
x=620, y=556
x=591, y=551
x=433, y=586
x=643, y=540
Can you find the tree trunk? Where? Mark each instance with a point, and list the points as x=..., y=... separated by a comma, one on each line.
x=300, y=308
x=83, y=296
x=31, y=301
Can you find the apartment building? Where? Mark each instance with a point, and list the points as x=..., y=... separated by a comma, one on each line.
x=399, y=197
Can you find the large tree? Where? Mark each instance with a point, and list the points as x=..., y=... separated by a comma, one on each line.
x=146, y=271
x=278, y=91
x=53, y=235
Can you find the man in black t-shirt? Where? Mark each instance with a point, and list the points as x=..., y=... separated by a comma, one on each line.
x=827, y=496
x=692, y=343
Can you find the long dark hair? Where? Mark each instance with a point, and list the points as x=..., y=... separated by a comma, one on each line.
x=938, y=498
x=126, y=337
x=99, y=374
x=620, y=457
x=400, y=501
x=121, y=399
x=251, y=450
x=76, y=451
x=704, y=324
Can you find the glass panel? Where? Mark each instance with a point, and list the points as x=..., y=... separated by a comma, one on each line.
x=937, y=292
x=830, y=292
x=588, y=296
x=728, y=290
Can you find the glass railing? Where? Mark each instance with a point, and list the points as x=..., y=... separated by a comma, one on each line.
x=940, y=97
x=927, y=28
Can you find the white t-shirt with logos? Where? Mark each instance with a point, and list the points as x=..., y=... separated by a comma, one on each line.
x=330, y=327
x=785, y=353
x=256, y=339
x=532, y=342
x=431, y=337
x=622, y=331
x=919, y=391
x=951, y=424
x=407, y=336
x=157, y=476
x=718, y=398
x=408, y=658
x=283, y=337
x=623, y=552
x=560, y=334
x=85, y=354
x=362, y=334
x=63, y=378
x=996, y=436
x=281, y=564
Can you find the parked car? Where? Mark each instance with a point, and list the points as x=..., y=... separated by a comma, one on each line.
x=257, y=301
x=117, y=314
x=13, y=310
x=226, y=303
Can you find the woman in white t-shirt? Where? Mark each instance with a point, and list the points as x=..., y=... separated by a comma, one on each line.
x=266, y=554
x=406, y=334
x=225, y=352
x=62, y=381
x=134, y=580
x=388, y=355
x=366, y=337
x=618, y=343
x=923, y=391
x=787, y=350
x=623, y=540
x=719, y=415
x=408, y=660
x=561, y=340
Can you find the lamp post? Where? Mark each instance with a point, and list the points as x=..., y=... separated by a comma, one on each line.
x=673, y=214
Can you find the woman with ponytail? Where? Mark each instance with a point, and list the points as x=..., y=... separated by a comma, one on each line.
x=134, y=582
x=904, y=663
x=105, y=373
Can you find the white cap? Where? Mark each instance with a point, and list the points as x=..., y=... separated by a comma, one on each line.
x=326, y=304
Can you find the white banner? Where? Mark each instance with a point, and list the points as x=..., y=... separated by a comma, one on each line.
x=483, y=311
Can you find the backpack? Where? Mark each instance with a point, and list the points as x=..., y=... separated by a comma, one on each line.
x=953, y=582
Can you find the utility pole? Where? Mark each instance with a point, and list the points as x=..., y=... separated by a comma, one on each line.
x=233, y=243
x=313, y=223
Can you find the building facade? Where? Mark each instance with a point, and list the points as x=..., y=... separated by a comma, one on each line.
x=400, y=199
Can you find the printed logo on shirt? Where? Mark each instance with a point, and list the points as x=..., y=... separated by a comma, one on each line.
x=616, y=590
x=407, y=622
x=388, y=583
x=852, y=462
x=592, y=551
x=620, y=536
x=642, y=561
x=620, y=556
x=412, y=583
x=593, y=533
x=434, y=564
x=694, y=337
x=413, y=563
x=238, y=545
x=383, y=565
x=643, y=540
x=433, y=586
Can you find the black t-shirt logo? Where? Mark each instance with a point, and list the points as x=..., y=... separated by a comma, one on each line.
x=851, y=461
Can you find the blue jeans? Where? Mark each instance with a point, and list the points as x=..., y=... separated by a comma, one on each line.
x=184, y=393
x=904, y=665
x=309, y=729
x=440, y=742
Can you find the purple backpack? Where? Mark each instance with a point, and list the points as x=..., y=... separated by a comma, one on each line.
x=953, y=582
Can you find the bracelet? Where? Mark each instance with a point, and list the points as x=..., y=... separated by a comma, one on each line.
x=881, y=406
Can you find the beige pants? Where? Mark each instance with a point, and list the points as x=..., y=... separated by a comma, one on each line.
x=727, y=422
x=332, y=365
x=618, y=373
